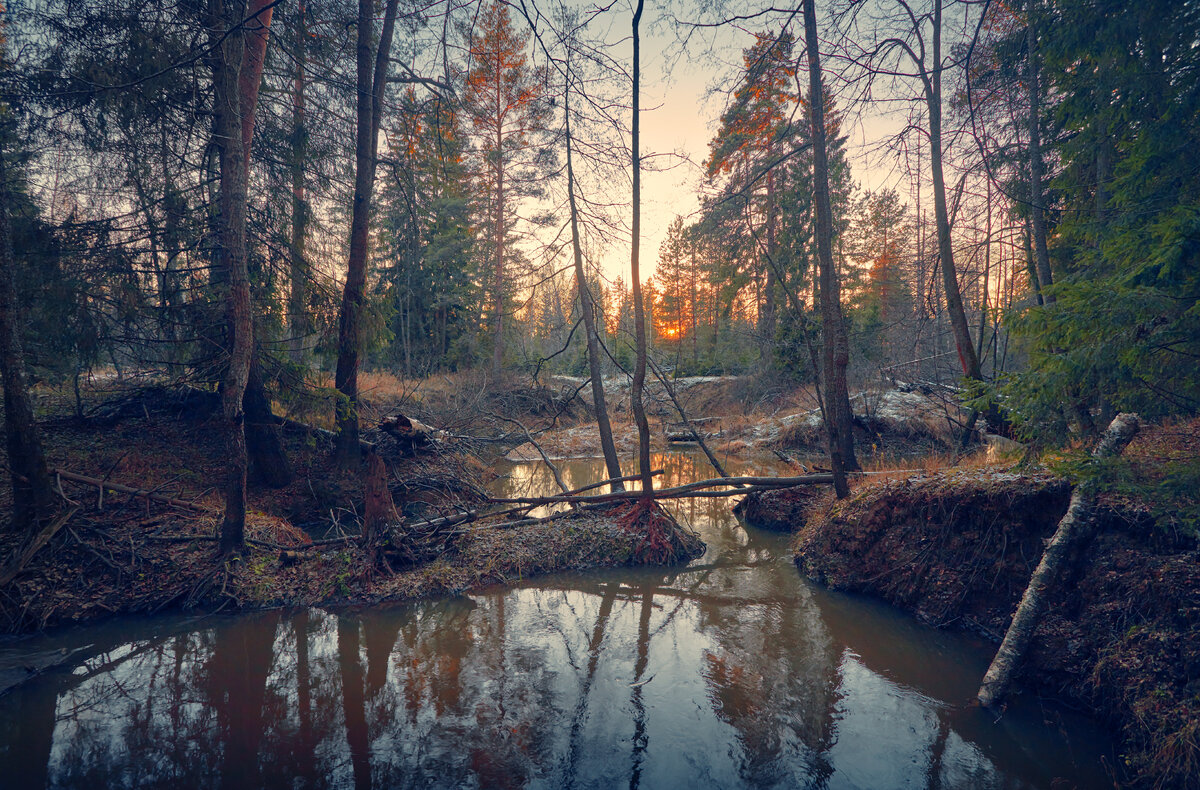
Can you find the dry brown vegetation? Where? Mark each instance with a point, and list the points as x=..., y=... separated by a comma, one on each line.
x=1122, y=633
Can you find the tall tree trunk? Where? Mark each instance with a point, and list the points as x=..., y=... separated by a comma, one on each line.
x=835, y=351
x=498, y=248
x=767, y=320
x=588, y=306
x=268, y=462
x=226, y=36
x=298, y=293
x=371, y=81
x=639, y=313
x=33, y=496
x=1036, y=198
x=1075, y=527
x=954, y=304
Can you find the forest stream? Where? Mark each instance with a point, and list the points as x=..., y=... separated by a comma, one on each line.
x=733, y=671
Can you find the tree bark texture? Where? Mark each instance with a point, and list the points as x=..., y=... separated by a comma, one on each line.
x=835, y=351
x=1075, y=527
x=33, y=496
x=639, y=313
x=378, y=508
x=226, y=57
x=372, y=77
x=267, y=461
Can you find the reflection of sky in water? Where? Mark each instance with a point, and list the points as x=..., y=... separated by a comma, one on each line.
x=733, y=672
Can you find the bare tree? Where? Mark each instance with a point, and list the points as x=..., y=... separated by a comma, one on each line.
x=588, y=306
x=912, y=50
x=835, y=350
x=639, y=313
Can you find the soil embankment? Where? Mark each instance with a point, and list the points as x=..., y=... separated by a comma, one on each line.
x=1121, y=635
x=120, y=553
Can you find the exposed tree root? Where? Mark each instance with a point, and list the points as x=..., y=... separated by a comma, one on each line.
x=662, y=540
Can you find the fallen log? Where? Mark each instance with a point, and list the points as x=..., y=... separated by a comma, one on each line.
x=1075, y=527
x=141, y=493
x=747, y=484
x=687, y=423
x=412, y=434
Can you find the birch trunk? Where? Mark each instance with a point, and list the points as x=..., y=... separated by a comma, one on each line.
x=1075, y=527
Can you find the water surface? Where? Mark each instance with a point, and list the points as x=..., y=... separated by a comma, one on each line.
x=731, y=672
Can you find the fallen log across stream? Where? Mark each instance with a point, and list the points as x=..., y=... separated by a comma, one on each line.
x=520, y=504
x=748, y=485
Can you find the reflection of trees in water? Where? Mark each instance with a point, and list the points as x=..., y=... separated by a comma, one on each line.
x=586, y=680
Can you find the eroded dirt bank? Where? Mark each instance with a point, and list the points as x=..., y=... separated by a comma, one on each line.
x=1121, y=635
x=119, y=553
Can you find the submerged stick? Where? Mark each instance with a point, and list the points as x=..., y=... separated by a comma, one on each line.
x=1074, y=528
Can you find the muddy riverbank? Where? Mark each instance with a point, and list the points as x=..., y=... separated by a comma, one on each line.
x=1121, y=636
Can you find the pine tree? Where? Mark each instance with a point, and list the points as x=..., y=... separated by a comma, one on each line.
x=503, y=97
x=1125, y=329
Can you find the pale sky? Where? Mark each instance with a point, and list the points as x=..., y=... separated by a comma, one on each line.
x=679, y=115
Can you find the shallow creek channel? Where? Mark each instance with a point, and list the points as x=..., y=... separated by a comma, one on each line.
x=733, y=671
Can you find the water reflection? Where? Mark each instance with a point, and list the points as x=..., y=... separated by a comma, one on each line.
x=731, y=672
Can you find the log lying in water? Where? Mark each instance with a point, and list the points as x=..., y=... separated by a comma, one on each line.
x=695, y=489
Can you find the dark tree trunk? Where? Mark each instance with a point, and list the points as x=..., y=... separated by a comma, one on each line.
x=268, y=462
x=372, y=77
x=226, y=37
x=588, y=306
x=1036, y=198
x=835, y=352
x=298, y=293
x=378, y=508
x=32, y=493
x=639, y=313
